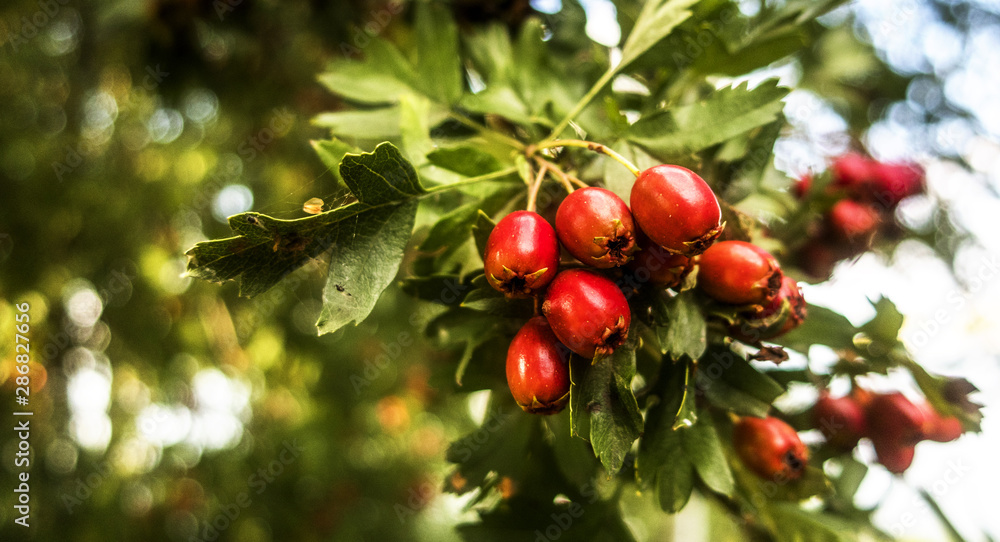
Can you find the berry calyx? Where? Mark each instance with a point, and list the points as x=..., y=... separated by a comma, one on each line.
x=587, y=312
x=852, y=221
x=596, y=227
x=538, y=369
x=770, y=448
x=522, y=255
x=654, y=265
x=677, y=209
x=840, y=419
x=739, y=273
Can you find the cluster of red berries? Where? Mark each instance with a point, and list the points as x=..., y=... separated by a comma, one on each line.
x=867, y=193
x=891, y=421
x=674, y=216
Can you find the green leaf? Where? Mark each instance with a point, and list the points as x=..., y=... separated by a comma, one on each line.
x=380, y=177
x=662, y=463
x=681, y=328
x=687, y=414
x=438, y=57
x=702, y=446
x=331, y=152
x=656, y=20
x=373, y=124
x=821, y=326
x=381, y=77
x=481, y=231
x=452, y=230
x=499, y=445
x=603, y=396
x=365, y=257
x=732, y=383
x=885, y=326
x=486, y=299
x=468, y=161
x=691, y=128
x=617, y=178
x=415, y=127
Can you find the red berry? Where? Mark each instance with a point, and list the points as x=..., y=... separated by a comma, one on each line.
x=596, y=227
x=784, y=313
x=654, y=265
x=943, y=429
x=893, y=182
x=587, y=312
x=896, y=458
x=841, y=420
x=676, y=209
x=739, y=273
x=802, y=186
x=853, y=169
x=852, y=221
x=894, y=419
x=770, y=448
x=538, y=369
x=522, y=254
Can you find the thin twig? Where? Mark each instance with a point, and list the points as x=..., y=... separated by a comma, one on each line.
x=533, y=189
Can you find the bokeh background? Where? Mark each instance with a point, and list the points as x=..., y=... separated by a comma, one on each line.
x=130, y=129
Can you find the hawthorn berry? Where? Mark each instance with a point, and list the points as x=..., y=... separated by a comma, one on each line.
x=654, y=265
x=587, y=312
x=770, y=447
x=739, y=273
x=894, y=419
x=943, y=428
x=892, y=182
x=522, y=254
x=852, y=170
x=895, y=457
x=596, y=227
x=840, y=419
x=802, y=186
x=677, y=209
x=538, y=368
x=852, y=222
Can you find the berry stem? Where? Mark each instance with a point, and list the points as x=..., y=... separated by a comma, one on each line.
x=533, y=189
x=584, y=102
x=589, y=145
x=472, y=180
x=566, y=179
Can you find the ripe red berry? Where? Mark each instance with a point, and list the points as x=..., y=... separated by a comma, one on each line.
x=894, y=419
x=896, y=458
x=853, y=169
x=739, y=273
x=894, y=181
x=677, y=209
x=943, y=428
x=654, y=265
x=770, y=447
x=852, y=221
x=538, y=369
x=802, y=186
x=587, y=312
x=522, y=254
x=784, y=313
x=596, y=227
x=840, y=419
